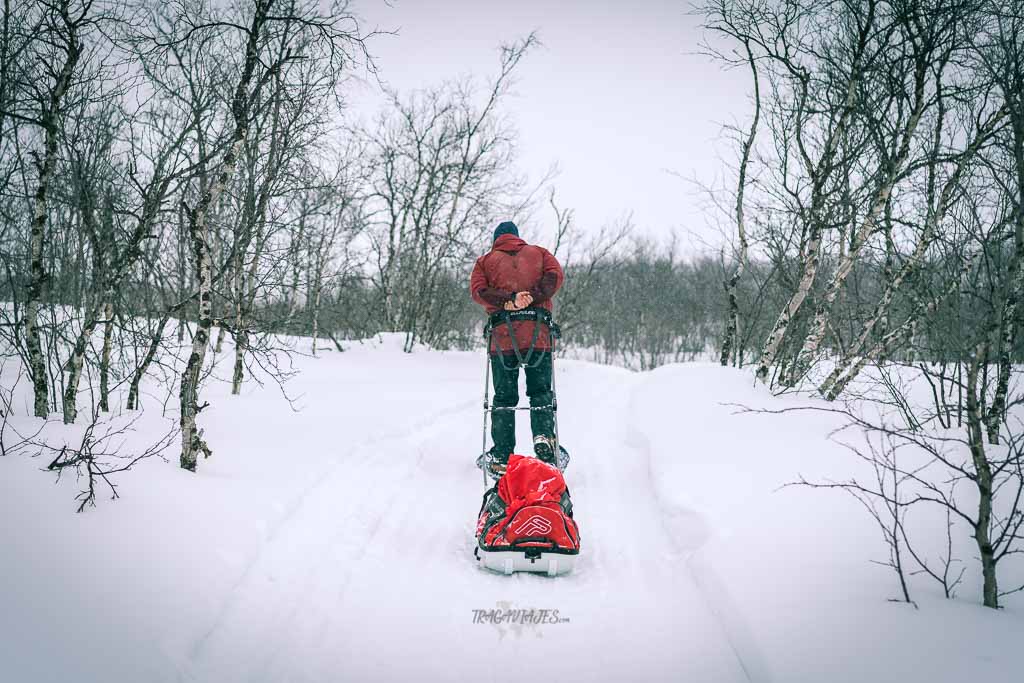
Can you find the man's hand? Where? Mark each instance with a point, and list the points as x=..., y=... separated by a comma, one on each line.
x=523, y=299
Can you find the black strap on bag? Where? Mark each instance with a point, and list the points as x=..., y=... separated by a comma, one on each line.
x=538, y=316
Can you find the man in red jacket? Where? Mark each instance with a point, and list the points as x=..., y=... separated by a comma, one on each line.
x=515, y=276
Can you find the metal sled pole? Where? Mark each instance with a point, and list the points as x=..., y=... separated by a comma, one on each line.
x=487, y=398
x=498, y=409
x=554, y=395
x=520, y=362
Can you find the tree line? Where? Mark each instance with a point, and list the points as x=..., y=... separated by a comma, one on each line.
x=181, y=176
x=879, y=174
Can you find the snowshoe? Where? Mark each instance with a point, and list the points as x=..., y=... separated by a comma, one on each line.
x=494, y=465
x=525, y=521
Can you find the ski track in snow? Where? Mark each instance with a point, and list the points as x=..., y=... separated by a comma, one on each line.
x=689, y=532
x=314, y=607
x=288, y=530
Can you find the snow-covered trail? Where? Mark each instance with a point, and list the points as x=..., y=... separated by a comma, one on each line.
x=334, y=543
x=375, y=560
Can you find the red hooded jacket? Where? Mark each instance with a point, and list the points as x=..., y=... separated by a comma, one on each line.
x=514, y=266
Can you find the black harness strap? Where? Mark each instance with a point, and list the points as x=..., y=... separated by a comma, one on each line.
x=523, y=360
x=538, y=316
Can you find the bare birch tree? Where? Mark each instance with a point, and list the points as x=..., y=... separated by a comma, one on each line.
x=440, y=176
x=1000, y=49
x=719, y=18
x=56, y=55
x=275, y=38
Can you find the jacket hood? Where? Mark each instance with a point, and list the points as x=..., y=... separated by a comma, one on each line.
x=509, y=243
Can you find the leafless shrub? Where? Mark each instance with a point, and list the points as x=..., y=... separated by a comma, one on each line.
x=100, y=455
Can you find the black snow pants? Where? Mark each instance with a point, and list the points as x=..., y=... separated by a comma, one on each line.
x=505, y=373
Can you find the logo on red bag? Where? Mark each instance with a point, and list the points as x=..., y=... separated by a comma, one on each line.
x=534, y=526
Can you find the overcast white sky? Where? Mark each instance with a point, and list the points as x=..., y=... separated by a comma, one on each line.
x=615, y=96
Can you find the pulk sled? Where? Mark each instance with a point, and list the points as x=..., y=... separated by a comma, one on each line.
x=526, y=520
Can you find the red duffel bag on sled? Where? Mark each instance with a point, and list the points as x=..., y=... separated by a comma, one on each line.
x=525, y=521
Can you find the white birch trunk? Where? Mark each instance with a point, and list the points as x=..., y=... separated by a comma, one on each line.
x=855, y=361
x=316, y=318
x=1015, y=288
x=896, y=336
x=879, y=317
x=108, y=331
x=860, y=238
x=75, y=364
x=191, y=436
x=241, y=338
x=812, y=253
x=771, y=348
x=36, y=362
x=192, y=442
x=37, y=275
x=732, y=325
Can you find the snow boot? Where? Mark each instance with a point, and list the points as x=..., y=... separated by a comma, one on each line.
x=543, y=448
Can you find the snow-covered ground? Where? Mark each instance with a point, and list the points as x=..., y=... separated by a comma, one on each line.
x=334, y=543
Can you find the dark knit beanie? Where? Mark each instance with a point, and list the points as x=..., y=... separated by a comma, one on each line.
x=506, y=228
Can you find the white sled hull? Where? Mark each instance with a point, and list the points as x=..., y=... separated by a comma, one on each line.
x=510, y=561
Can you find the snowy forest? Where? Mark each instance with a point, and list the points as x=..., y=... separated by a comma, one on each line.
x=196, y=235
